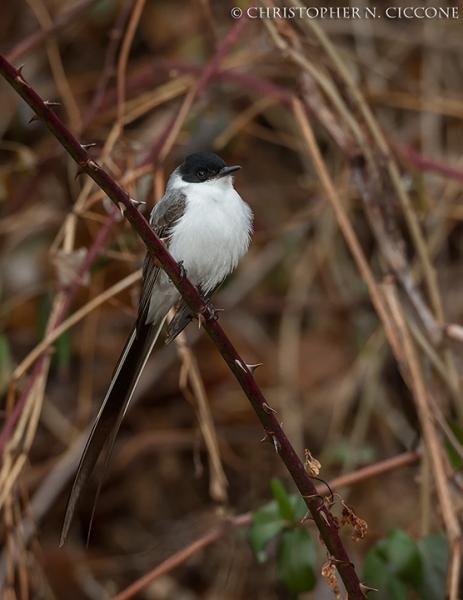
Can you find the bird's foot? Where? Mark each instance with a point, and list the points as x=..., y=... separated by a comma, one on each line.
x=212, y=316
x=182, y=270
x=214, y=312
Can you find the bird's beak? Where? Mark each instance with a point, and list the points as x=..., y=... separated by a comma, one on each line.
x=228, y=171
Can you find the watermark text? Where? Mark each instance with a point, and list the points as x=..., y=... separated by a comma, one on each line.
x=347, y=12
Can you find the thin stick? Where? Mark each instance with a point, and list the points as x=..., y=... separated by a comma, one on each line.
x=182, y=555
x=341, y=216
x=434, y=449
x=118, y=287
x=123, y=59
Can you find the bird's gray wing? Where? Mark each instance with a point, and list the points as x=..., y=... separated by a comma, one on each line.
x=163, y=217
x=128, y=369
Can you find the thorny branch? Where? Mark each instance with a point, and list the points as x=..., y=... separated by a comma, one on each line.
x=320, y=512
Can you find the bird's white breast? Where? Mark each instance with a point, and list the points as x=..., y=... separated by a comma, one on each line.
x=213, y=233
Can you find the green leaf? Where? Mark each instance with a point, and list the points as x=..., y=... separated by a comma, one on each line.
x=342, y=451
x=403, y=556
x=296, y=557
x=299, y=507
x=396, y=564
x=376, y=574
x=62, y=357
x=455, y=458
x=6, y=363
x=283, y=499
x=267, y=523
x=434, y=552
x=63, y=350
x=292, y=507
x=285, y=512
x=393, y=566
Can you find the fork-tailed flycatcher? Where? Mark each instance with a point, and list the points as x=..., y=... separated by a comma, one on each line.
x=206, y=226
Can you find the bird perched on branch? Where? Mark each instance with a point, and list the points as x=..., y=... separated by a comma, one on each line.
x=206, y=226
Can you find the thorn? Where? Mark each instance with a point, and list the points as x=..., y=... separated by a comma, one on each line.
x=338, y=561
x=122, y=208
x=365, y=588
x=87, y=146
x=276, y=444
x=273, y=440
x=252, y=368
x=240, y=365
x=34, y=118
x=19, y=77
x=201, y=320
x=136, y=203
x=307, y=517
x=266, y=438
x=268, y=409
x=155, y=261
x=80, y=171
x=93, y=165
x=323, y=516
x=49, y=103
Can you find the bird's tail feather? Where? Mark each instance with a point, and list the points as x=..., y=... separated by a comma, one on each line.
x=126, y=375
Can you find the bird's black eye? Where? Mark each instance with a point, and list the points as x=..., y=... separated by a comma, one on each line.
x=201, y=173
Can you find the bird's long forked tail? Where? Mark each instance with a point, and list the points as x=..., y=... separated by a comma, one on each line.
x=126, y=375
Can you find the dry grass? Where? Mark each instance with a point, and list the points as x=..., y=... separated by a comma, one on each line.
x=349, y=133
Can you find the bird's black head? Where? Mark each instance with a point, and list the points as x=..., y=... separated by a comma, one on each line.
x=204, y=166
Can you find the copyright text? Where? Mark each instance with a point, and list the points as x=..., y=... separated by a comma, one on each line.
x=347, y=12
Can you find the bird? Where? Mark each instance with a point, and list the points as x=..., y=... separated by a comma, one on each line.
x=207, y=228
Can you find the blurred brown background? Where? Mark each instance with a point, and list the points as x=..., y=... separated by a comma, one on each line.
x=296, y=303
